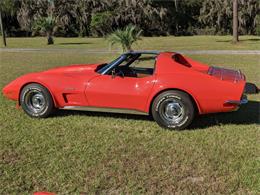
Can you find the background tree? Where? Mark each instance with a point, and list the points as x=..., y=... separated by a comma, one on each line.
x=99, y=18
x=82, y=16
x=32, y=11
x=148, y=15
x=7, y=8
x=247, y=15
x=218, y=15
x=101, y=23
x=83, y=12
x=125, y=37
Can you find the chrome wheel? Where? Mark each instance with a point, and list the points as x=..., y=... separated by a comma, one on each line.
x=172, y=111
x=35, y=101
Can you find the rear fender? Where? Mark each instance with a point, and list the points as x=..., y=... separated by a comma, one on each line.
x=155, y=94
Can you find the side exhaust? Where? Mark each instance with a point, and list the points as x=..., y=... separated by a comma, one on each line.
x=243, y=100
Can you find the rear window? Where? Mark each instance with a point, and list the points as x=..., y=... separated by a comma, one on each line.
x=181, y=60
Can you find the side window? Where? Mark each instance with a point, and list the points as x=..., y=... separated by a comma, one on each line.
x=135, y=65
x=145, y=61
x=144, y=66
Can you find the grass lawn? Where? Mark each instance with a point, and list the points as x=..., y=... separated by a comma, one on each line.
x=150, y=43
x=84, y=152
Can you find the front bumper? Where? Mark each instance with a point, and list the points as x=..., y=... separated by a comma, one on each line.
x=243, y=100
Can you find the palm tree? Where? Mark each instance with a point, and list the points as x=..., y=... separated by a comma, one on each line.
x=125, y=37
x=47, y=26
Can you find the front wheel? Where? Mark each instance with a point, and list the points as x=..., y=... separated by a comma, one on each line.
x=36, y=101
x=173, y=110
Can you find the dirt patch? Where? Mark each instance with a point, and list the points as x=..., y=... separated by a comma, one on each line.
x=9, y=157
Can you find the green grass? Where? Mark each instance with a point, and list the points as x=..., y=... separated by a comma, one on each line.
x=151, y=43
x=84, y=152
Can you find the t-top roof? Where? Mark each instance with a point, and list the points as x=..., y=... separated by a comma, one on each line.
x=143, y=52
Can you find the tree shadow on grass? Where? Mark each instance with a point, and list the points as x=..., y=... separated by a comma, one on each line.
x=243, y=40
x=75, y=43
x=247, y=114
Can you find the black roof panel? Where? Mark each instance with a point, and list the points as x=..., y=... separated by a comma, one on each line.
x=143, y=52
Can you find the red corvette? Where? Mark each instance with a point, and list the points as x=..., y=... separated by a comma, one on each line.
x=167, y=85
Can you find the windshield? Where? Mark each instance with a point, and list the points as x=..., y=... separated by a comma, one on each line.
x=129, y=61
x=104, y=68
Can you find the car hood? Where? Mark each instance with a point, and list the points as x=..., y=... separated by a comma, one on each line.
x=75, y=68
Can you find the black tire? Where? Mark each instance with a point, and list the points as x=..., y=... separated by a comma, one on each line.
x=173, y=109
x=36, y=101
x=251, y=88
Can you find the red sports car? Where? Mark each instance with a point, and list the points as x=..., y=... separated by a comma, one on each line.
x=167, y=85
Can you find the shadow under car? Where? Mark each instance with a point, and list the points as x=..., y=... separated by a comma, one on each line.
x=247, y=114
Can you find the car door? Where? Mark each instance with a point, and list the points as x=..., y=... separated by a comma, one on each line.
x=119, y=92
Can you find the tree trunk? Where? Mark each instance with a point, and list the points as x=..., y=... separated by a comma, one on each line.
x=49, y=39
x=235, y=21
x=81, y=29
x=129, y=48
x=176, y=17
x=176, y=5
x=2, y=29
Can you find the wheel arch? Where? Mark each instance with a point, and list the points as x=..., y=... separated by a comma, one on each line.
x=39, y=83
x=194, y=101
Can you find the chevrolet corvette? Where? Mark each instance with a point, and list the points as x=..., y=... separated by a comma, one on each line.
x=170, y=87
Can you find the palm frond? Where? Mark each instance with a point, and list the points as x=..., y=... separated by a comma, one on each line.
x=45, y=24
x=125, y=37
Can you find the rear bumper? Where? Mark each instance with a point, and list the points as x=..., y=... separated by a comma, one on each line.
x=243, y=100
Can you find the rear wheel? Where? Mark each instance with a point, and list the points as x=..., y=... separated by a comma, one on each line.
x=173, y=110
x=36, y=101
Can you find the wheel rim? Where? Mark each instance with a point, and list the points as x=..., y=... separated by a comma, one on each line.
x=172, y=110
x=35, y=101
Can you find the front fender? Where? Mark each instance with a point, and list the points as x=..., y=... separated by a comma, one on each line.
x=13, y=89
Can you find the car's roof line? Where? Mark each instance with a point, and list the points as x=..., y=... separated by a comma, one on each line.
x=155, y=52
x=143, y=52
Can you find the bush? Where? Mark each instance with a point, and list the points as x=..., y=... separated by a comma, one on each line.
x=205, y=31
